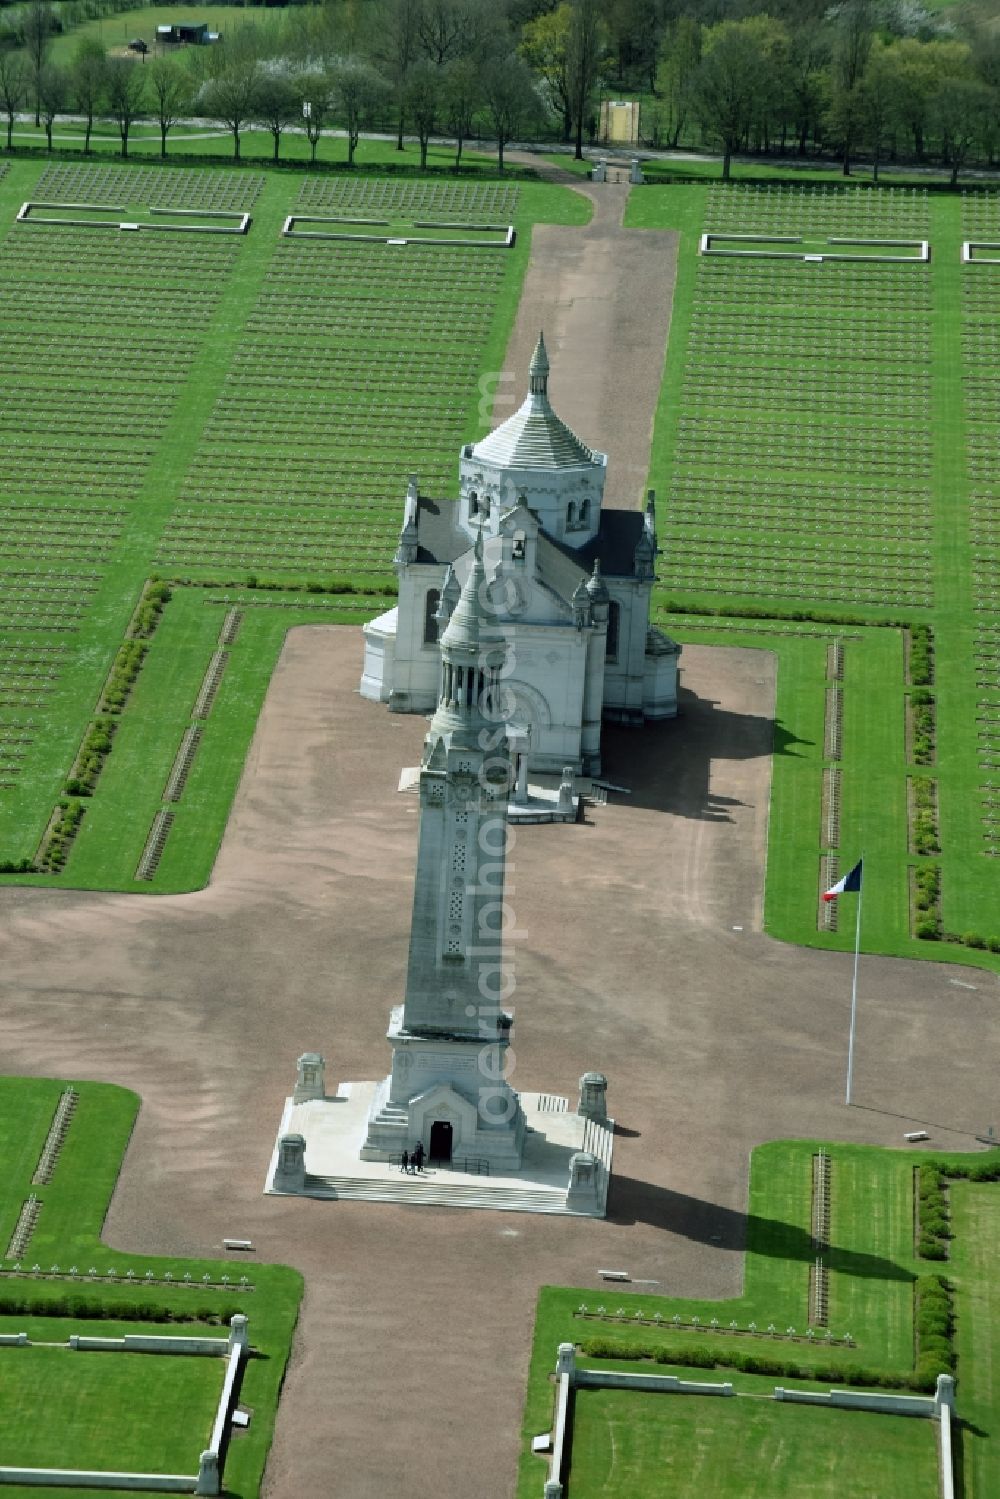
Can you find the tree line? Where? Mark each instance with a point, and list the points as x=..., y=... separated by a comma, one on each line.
x=885, y=78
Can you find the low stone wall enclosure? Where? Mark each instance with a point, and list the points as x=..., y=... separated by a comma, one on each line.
x=938, y=1407
x=208, y=1479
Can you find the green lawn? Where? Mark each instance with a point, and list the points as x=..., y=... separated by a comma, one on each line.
x=265, y=402
x=146, y=1413
x=76, y=1270
x=873, y=1274
x=751, y=1447
x=821, y=445
x=975, y=1218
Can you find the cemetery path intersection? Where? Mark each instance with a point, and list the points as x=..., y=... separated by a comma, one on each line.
x=718, y=1040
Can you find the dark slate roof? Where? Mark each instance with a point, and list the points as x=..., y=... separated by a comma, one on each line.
x=440, y=539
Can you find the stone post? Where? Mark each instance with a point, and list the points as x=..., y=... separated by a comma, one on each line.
x=635, y=173
x=566, y=790
x=600, y=172
x=208, y=1474
x=553, y=1489
x=311, y=1080
x=238, y=1337
x=593, y=1102
x=566, y=1361
x=290, y=1172
x=584, y=1180
x=945, y=1393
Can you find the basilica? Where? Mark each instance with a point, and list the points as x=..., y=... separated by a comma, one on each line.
x=569, y=582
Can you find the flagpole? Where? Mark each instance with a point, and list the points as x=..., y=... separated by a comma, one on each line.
x=854, y=991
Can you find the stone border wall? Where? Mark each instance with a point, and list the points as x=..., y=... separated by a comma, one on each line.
x=938, y=1407
x=208, y=1479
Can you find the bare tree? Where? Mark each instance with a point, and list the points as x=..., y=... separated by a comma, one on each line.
x=423, y=100
x=37, y=26
x=314, y=101
x=171, y=94
x=508, y=96
x=126, y=96
x=462, y=97
x=444, y=29
x=53, y=96
x=13, y=89
x=584, y=55
x=276, y=104
x=394, y=49
x=88, y=77
x=230, y=98
x=357, y=90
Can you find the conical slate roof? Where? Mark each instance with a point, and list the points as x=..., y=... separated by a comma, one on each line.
x=462, y=629
x=534, y=437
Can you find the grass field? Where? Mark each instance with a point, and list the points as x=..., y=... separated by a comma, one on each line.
x=170, y=1403
x=747, y=1448
x=117, y=1410
x=234, y=411
x=873, y=1274
x=821, y=447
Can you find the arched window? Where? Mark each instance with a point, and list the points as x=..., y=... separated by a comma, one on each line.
x=571, y=514
x=518, y=545
x=614, y=624
x=431, y=603
x=473, y=502
x=584, y=512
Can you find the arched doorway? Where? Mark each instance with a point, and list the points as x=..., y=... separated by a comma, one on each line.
x=440, y=1141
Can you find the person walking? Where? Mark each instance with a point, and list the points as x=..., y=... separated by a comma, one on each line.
x=418, y=1156
x=404, y=1164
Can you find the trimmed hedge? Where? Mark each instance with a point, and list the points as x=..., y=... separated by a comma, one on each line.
x=932, y=1213
x=921, y=655
x=760, y=1363
x=922, y=722
x=73, y=1304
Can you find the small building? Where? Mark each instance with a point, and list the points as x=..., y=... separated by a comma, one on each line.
x=186, y=33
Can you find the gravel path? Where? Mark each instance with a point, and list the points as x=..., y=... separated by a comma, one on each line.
x=409, y=1365
x=602, y=296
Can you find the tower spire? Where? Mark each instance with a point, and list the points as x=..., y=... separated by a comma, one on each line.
x=538, y=370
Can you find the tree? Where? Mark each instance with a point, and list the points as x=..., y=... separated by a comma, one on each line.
x=53, y=96
x=727, y=83
x=88, y=77
x=851, y=47
x=584, y=55
x=508, y=97
x=462, y=96
x=960, y=111
x=545, y=48
x=276, y=103
x=444, y=29
x=314, y=99
x=878, y=100
x=126, y=91
x=422, y=101
x=357, y=90
x=808, y=54
x=171, y=94
x=394, y=45
x=37, y=25
x=676, y=73
x=13, y=89
x=230, y=98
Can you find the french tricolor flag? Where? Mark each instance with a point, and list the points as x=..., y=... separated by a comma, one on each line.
x=851, y=881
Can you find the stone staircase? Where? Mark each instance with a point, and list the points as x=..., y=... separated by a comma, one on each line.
x=443, y=1190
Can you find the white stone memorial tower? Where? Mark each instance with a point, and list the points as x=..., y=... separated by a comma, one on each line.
x=449, y=1038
